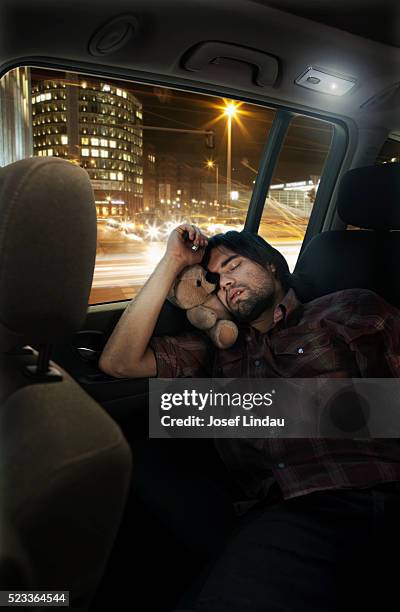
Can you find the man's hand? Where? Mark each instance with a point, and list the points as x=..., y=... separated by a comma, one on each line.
x=180, y=250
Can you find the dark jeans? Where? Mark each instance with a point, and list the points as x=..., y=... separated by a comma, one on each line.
x=185, y=486
x=322, y=552
x=325, y=551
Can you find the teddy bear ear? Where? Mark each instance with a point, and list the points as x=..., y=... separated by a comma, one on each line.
x=212, y=277
x=183, y=274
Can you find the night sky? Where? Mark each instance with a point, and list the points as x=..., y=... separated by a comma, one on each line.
x=304, y=152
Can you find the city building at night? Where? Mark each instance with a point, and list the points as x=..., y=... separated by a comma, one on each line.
x=97, y=125
x=15, y=116
x=167, y=175
x=150, y=190
x=183, y=188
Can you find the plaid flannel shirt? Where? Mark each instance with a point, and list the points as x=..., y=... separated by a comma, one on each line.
x=351, y=333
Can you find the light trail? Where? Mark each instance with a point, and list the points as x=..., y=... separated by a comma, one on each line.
x=133, y=269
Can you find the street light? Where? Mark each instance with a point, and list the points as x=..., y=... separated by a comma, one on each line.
x=230, y=111
x=212, y=164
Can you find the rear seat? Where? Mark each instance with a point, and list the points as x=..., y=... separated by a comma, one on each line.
x=368, y=198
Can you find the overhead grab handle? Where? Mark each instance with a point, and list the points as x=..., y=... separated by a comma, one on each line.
x=200, y=56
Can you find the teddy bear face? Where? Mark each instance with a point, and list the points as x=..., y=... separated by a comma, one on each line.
x=191, y=288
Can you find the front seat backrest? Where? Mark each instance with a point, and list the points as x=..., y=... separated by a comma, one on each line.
x=368, y=198
x=15, y=571
x=64, y=464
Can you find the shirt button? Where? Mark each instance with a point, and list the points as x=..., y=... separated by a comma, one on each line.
x=300, y=351
x=257, y=363
x=248, y=338
x=281, y=465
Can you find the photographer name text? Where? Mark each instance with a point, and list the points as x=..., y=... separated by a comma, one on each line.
x=242, y=420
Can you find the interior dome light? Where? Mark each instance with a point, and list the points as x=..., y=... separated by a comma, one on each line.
x=326, y=82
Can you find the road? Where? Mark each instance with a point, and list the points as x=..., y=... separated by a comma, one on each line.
x=123, y=265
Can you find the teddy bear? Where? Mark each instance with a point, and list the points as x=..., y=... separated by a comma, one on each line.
x=193, y=291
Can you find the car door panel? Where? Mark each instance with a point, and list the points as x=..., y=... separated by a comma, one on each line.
x=126, y=400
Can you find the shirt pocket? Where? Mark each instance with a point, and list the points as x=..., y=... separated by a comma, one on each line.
x=304, y=353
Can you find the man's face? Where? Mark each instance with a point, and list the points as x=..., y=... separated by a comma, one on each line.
x=246, y=288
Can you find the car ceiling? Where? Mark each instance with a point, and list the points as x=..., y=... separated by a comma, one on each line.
x=374, y=19
x=298, y=34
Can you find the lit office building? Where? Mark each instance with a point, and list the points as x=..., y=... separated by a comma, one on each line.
x=98, y=126
x=150, y=194
x=15, y=116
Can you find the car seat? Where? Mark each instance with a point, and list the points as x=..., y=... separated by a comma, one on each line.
x=368, y=198
x=15, y=571
x=64, y=464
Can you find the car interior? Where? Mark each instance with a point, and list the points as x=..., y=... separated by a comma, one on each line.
x=84, y=507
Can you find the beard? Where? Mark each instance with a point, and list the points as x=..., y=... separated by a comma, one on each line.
x=249, y=310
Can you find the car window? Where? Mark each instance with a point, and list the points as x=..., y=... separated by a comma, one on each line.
x=155, y=157
x=158, y=156
x=390, y=152
x=294, y=185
